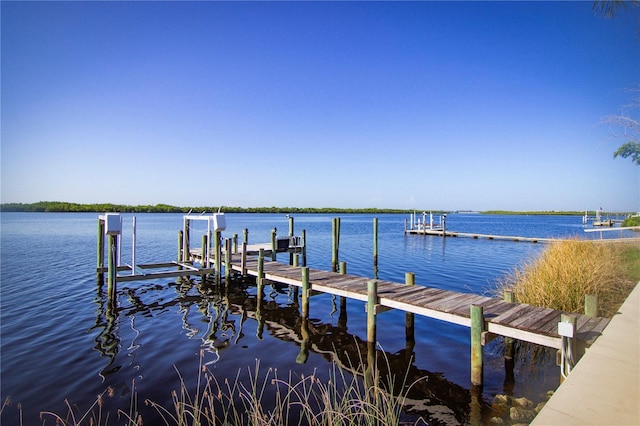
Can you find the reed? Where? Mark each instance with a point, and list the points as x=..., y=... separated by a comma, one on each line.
x=267, y=399
x=566, y=271
x=263, y=398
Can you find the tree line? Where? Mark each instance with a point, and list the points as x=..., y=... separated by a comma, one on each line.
x=59, y=206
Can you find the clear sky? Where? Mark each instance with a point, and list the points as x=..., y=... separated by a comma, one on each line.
x=425, y=105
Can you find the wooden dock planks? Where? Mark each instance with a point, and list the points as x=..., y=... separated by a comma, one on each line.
x=519, y=321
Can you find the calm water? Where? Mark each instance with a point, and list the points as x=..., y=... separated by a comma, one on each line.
x=59, y=343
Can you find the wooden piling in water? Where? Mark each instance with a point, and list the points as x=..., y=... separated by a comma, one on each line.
x=290, y=235
x=410, y=280
x=243, y=259
x=218, y=256
x=235, y=243
x=245, y=235
x=260, y=277
x=112, y=269
x=372, y=301
x=306, y=288
x=477, y=327
x=375, y=247
x=304, y=247
x=204, y=259
x=100, y=253
x=509, y=361
x=335, y=243
x=273, y=243
x=227, y=261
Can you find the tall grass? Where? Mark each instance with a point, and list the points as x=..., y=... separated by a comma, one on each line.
x=566, y=271
x=268, y=399
x=263, y=399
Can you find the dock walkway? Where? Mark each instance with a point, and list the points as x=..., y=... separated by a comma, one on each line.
x=519, y=321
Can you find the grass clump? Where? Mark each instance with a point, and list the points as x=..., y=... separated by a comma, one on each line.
x=262, y=398
x=566, y=271
x=268, y=399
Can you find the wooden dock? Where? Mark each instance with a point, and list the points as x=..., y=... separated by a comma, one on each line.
x=487, y=317
x=440, y=233
x=519, y=321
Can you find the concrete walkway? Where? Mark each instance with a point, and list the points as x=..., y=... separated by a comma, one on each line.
x=604, y=386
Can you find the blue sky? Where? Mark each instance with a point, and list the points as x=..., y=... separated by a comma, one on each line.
x=425, y=105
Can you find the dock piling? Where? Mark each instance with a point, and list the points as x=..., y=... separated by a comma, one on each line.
x=335, y=240
x=112, y=269
x=227, y=260
x=243, y=260
x=372, y=301
x=375, y=247
x=274, y=231
x=100, y=253
x=591, y=305
x=477, y=327
x=290, y=235
x=410, y=280
x=306, y=288
x=509, y=361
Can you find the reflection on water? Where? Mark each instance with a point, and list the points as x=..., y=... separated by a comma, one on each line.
x=217, y=315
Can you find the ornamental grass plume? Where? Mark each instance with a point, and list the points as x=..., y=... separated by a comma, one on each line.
x=568, y=270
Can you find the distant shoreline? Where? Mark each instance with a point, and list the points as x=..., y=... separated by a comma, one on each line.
x=67, y=207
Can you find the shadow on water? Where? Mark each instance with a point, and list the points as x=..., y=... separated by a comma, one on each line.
x=428, y=394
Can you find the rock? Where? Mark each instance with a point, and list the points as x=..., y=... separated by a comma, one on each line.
x=521, y=415
x=496, y=421
x=540, y=406
x=523, y=403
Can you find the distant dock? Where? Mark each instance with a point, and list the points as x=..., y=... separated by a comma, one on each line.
x=418, y=225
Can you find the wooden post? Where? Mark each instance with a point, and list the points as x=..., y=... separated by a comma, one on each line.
x=372, y=301
x=335, y=246
x=112, y=269
x=591, y=305
x=218, y=257
x=260, y=278
x=477, y=327
x=260, y=295
x=304, y=247
x=342, y=317
x=246, y=235
x=296, y=259
x=235, y=243
x=243, y=262
x=273, y=244
x=227, y=260
x=100, y=248
x=509, y=361
x=306, y=288
x=405, y=226
x=180, y=247
x=410, y=280
x=185, y=242
x=204, y=254
x=290, y=235
x=375, y=247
